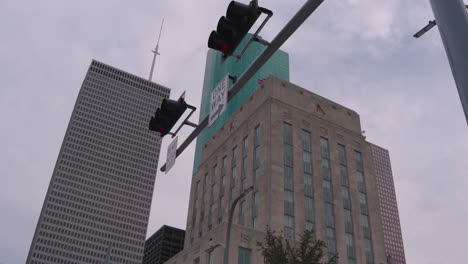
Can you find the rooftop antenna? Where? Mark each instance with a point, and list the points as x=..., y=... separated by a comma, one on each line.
x=155, y=51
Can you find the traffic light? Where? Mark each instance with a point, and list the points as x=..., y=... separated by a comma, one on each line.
x=167, y=115
x=233, y=27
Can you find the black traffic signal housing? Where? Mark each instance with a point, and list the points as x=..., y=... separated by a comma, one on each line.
x=233, y=27
x=167, y=115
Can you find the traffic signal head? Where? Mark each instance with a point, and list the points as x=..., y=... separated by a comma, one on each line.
x=233, y=27
x=167, y=115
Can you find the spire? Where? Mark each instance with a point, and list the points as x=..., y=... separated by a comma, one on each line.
x=156, y=52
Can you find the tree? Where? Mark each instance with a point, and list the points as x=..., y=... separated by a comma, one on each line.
x=307, y=250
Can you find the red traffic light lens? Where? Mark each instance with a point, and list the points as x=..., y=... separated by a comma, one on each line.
x=223, y=47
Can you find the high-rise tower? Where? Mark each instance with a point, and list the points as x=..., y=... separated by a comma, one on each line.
x=310, y=168
x=393, y=239
x=98, y=201
x=217, y=67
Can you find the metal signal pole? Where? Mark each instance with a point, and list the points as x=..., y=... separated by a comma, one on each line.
x=452, y=19
x=304, y=12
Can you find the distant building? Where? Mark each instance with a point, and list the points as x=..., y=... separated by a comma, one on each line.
x=215, y=70
x=163, y=245
x=393, y=239
x=99, y=197
x=311, y=168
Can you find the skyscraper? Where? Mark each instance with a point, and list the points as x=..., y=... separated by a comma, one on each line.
x=163, y=245
x=393, y=240
x=216, y=68
x=310, y=168
x=98, y=201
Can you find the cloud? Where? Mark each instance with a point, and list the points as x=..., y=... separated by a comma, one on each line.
x=359, y=53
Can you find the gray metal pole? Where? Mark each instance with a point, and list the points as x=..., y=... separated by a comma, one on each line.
x=229, y=224
x=306, y=10
x=452, y=18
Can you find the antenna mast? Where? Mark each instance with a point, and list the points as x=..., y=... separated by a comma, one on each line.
x=155, y=51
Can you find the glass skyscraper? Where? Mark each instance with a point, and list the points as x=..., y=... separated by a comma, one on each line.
x=393, y=239
x=215, y=70
x=98, y=201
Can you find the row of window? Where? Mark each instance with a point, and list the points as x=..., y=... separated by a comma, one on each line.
x=81, y=246
x=85, y=175
x=139, y=82
x=233, y=191
x=98, y=189
x=120, y=128
x=104, y=166
x=102, y=94
x=328, y=197
x=288, y=182
x=86, y=206
x=349, y=236
x=90, y=242
x=243, y=257
x=328, y=192
x=119, y=93
x=111, y=92
x=106, y=147
x=138, y=131
x=122, y=110
x=65, y=191
x=364, y=209
x=136, y=174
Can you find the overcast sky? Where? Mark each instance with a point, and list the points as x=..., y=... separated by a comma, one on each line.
x=359, y=53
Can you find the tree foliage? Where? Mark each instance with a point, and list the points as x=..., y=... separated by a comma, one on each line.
x=307, y=250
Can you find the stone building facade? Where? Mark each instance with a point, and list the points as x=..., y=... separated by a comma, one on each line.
x=311, y=168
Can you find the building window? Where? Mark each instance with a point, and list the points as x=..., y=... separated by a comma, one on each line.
x=328, y=195
x=329, y=215
x=212, y=199
x=331, y=243
x=194, y=211
x=243, y=256
x=256, y=175
x=348, y=221
x=243, y=178
x=202, y=214
x=350, y=247
x=288, y=181
x=365, y=225
x=233, y=176
x=368, y=250
x=346, y=198
x=308, y=188
x=210, y=257
x=241, y=212
x=222, y=187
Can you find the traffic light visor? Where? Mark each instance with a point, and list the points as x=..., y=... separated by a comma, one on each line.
x=215, y=42
x=238, y=10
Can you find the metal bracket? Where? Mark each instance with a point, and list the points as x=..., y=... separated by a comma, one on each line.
x=296, y=21
x=233, y=78
x=260, y=40
x=186, y=121
x=269, y=14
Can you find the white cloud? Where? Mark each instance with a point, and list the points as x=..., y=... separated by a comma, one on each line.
x=359, y=53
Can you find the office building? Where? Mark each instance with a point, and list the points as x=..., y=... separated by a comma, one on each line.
x=216, y=68
x=163, y=245
x=98, y=201
x=393, y=239
x=310, y=168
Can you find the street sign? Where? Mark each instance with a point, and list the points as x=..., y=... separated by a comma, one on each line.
x=218, y=100
x=171, y=154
